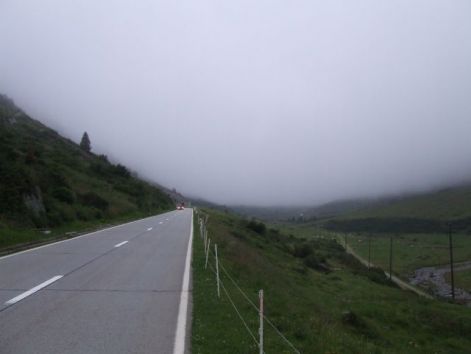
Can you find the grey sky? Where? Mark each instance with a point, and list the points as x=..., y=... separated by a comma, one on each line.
x=257, y=102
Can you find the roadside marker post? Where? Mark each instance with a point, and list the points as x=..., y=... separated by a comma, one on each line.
x=260, y=295
x=207, y=254
x=217, y=269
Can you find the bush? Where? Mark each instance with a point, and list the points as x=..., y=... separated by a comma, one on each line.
x=64, y=195
x=302, y=250
x=377, y=275
x=94, y=200
x=314, y=262
x=258, y=227
x=54, y=218
x=121, y=171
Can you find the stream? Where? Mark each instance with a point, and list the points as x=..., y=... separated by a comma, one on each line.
x=434, y=278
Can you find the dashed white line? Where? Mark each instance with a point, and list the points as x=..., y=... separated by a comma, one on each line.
x=33, y=290
x=74, y=238
x=121, y=243
x=161, y=222
x=149, y=229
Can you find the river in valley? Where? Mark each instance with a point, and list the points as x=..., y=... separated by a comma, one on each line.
x=434, y=278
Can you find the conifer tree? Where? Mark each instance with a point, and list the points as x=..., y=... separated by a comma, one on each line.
x=85, y=143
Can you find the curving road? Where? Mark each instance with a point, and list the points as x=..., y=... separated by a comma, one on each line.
x=119, y=290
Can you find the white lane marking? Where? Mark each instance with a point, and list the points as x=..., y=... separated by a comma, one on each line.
x=149, y=229
x=121, y=243
x=180, y=335
x=76, y=238
x=166, y=219
x=161, y=222
x=33, y=290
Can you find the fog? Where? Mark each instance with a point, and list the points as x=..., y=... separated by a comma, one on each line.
x=254, y=102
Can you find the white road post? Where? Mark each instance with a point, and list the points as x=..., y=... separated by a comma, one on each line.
x=260, y=295
x=217, y=268
x=207, y=254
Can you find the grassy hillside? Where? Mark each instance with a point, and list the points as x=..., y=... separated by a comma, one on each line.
x=453, y=203
x=424, y=213
x=304, y=213
x=319, y=297
x=447, y=204
x=47, y=181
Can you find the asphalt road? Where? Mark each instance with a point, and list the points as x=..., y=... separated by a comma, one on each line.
x=120, y=291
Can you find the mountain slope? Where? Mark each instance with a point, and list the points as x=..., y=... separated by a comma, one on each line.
x=446, y=204
x=48, y=181
x=427, y=212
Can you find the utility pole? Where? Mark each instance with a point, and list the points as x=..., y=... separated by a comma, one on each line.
x=390, y=256
x=451, y=262
x=369, y=251
x=260, y=331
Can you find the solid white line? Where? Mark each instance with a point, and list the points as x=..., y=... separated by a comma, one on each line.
x=121, y=243
x=75, y=238
x=180, y=336
x=33, y=290
x=149, y=229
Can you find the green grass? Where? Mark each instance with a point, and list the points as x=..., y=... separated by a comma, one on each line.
x=411, y=251
x=462, y=279
x=304, y=230
x=13, y=238
x=447, y=204
x=49, y=182
x=347, y=310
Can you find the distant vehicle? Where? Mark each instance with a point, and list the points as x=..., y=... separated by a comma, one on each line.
x=180, y=207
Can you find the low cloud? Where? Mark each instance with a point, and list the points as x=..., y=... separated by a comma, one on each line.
x=264, y=102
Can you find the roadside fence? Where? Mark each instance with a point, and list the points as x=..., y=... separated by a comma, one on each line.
x=222, y=275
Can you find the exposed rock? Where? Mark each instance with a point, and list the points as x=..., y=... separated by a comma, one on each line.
x=34, y=202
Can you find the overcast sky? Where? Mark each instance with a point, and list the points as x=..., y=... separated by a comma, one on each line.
x=255, y=102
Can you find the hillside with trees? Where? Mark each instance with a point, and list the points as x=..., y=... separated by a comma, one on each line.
x=48, y=181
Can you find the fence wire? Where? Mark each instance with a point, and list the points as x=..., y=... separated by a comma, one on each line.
x=235, y=308
x=277, y=331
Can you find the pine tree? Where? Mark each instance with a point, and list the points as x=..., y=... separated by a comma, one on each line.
x=85, y=143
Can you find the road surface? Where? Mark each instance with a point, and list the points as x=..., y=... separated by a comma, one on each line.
x=119, y=290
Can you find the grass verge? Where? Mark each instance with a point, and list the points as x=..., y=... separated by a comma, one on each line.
x=17, y=239
x=318, y=296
